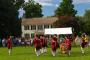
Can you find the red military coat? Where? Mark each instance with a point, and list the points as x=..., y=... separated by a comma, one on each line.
x=41, y=42
x=9, y=43
x=45, y=40
x=53, y=45
x=55, y=39
x=37, y=43
x=68, y=43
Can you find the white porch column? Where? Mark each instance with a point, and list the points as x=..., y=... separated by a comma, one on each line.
x=36, y=27
x=29, y=27
x=49, y=26
x=43, y=27
x=30, y=30
x=22, y=28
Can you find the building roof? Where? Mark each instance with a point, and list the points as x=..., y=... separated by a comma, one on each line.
x=39, y=21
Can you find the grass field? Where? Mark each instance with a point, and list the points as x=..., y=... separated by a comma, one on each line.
x=27, y=53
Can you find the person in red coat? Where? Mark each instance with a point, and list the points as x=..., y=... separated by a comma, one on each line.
x=43, y=42
x=54, y=45
x=68, y=44
x=37, y=45
x=9, y=44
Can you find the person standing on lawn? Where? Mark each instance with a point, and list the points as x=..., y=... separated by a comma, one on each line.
x=68, y=44
x=37, y=45
x=43, y=43
x=9, y=45
x=54, y=45
x=84, y=42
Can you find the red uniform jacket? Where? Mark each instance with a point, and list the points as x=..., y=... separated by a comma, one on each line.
x=68, y=42
x=53, y=44
x=36, y=42
x=43, y=42
x=55, y=39
x=9, y=43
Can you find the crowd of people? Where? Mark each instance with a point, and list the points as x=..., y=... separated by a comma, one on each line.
x=40, y=43
x=17, y=41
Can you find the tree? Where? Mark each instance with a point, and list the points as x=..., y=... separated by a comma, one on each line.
x=84, y=22
x=65, y=21
x=9, y=22
x=87, y=15
x=33, y=9
x=86, y=19
x=66, y=15
x=19, y=3
x=81, y=23
x=66, y=8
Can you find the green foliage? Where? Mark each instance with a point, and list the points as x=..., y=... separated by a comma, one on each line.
x=9, y=22
x=67, y=21
x=87, y=15
x=84, y=22
x=81, y=23
x=32, y=9
x=87, y=21
x=66, y=8
x=18, y=3
x=66, y=15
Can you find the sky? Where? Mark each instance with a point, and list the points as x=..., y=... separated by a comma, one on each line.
x=49, y=6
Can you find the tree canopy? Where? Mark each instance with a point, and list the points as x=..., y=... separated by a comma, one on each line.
x=66, y=8
x=66, y=15
x=9, y=22
x=86, y=19
x=32, y=9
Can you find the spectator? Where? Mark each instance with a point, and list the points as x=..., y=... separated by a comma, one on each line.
x=3, y=42
x=0, y=42
x=14, y=41
x=31, y=41
x=19, y=40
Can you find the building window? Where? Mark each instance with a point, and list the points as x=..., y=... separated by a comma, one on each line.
x=40, y=27
x=46, y=26
x=26, y=27
x=33, y=27
x=27, y=36
x=52, y=26
x=32, y=35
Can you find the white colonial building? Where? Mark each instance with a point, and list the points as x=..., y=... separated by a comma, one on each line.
x=36, y=25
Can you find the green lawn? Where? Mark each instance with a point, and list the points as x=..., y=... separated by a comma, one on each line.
x=27, y=53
